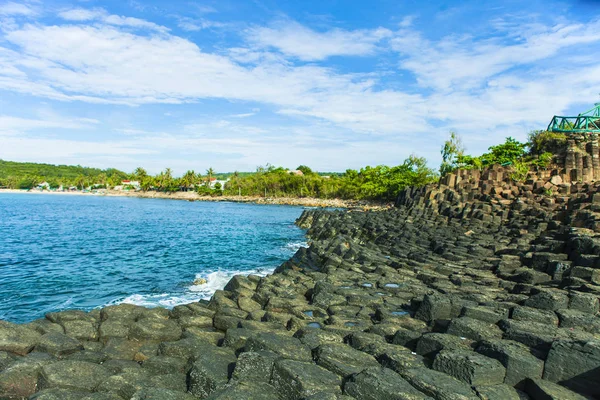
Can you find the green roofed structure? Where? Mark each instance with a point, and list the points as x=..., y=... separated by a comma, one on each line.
x=587, y=122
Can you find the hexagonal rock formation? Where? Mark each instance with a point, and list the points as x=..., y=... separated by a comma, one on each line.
x=485, y=289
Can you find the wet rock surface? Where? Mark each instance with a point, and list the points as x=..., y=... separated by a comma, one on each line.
x=479, y=291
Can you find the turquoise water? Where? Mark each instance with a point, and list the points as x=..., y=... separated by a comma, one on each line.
x=61, y=251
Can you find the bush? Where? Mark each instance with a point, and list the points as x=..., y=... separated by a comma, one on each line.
x=543, y=161
x=520, y=171
x=541, y=142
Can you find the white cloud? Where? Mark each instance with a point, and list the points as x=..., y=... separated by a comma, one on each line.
x=467, y=62
x=81, y=14
x=194, y=25
x=296, y=40
x=10, y=125
x=17, y=9
x=484, y=88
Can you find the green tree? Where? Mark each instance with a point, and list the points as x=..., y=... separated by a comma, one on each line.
x=189, y=179
x=139, y=174
x=508, y=152
x=452, y=150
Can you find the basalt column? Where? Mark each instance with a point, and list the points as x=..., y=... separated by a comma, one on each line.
x=595, y=154
x=570, y=161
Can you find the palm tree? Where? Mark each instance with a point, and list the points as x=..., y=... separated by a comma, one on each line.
x=80, y=181
x=210, y=172
x=188, y=179
x=101, y=179
x=139, y=174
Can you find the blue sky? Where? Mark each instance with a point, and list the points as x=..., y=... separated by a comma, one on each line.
x=330, y=84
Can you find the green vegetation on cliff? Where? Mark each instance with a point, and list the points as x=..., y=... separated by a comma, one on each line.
x=538, y=152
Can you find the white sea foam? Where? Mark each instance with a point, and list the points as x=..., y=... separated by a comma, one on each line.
x=295, y=246
x=215, y=280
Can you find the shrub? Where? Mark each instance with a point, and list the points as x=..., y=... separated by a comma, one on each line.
x=520, y=171
x=541, y=142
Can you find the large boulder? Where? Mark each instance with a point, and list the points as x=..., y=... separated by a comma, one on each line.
x=470, y=367
x=254, y=366
x=342, y=359
x=438, y=385
x=516, y=358
x=20, y=380
x=285, y=346
x=540, y=389
x=17, y=338
x=211, y=371
x=473, y=329
x=160, y=330
x=78, y=375
x=58, y=344
x=295, y=380
x=576, y=365
x=377, y=383
x=246, y=391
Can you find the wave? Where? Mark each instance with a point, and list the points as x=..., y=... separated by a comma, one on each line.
x=295, y=246
x=215, y=280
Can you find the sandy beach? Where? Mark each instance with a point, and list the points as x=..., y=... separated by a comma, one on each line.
x=193, y=196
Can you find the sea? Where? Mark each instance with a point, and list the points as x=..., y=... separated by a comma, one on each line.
x=83, y=252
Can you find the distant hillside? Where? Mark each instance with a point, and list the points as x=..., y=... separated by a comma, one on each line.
x=25, y=174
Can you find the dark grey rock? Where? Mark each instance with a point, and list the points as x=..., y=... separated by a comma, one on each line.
x=432, y=343
x=438, y=385
x=160, y=394
x=58, y=344
x=60, y=394
x=17, y=338
x=254, y=366
x=211, y=371
x=470, y=367
x=285, y=346
x=516, y=358
x=497, y=392
x=540, y=389
x=77, y=375
x=473, y=329
x=162, y=330
x=295, y=380
x=246, y=391
x=576, y=365
x=343, y=360
x=377, y=383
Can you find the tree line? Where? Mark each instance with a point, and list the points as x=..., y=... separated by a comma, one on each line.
x=371, y=183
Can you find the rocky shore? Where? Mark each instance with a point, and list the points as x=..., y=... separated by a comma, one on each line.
x=464, y=291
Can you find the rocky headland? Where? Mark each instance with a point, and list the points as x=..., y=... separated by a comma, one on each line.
x=476, y=288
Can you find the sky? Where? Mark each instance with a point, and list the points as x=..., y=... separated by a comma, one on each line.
x=332, y=84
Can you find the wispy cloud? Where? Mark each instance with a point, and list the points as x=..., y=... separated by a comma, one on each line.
x=293, y=39
x=17, y=9
x=501, y=82
x=10, y=125
x=196, y=24
x=81, y=14
x=467, y=61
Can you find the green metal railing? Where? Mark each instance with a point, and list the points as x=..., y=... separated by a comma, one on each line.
x=588, y=121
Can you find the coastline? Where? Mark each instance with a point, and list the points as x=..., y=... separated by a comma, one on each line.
x=193, y=196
